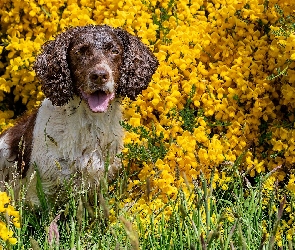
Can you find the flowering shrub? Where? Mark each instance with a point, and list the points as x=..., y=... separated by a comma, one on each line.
x=7, y=213
x=225, y=87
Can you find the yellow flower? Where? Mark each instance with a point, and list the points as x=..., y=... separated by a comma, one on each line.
x=8, y=210
x=135, y=122
x=291, y=184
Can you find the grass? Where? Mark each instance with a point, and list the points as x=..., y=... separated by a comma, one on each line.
x=208, y=219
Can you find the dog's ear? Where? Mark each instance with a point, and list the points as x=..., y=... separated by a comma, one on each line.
x=139, y=64
x=53, y=71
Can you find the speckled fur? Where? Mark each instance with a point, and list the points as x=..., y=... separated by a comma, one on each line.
x=51, y=66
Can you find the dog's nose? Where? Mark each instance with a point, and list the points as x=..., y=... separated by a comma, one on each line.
x=99, y=76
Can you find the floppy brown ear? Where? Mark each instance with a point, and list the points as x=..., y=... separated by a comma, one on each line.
x=52, y=69
x=139, y=64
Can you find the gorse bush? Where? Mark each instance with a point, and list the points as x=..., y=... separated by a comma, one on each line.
x=222, y=99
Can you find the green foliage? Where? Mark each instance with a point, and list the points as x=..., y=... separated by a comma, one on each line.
x=188, y=113
x=207, y=218
x=83, y=220
x=287, y=23
x=162, y=17
x=280, y=72
x=40, y=192
x=152, y=148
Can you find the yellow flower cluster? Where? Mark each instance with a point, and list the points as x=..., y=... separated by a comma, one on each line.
x=8, y=212
x=223, y=50
x=212, y=98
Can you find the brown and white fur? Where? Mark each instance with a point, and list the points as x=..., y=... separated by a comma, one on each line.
x=84, y=72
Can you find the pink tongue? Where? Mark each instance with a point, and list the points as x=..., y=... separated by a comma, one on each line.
x=99, y=101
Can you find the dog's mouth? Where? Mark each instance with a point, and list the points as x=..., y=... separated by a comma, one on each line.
x=99, y=100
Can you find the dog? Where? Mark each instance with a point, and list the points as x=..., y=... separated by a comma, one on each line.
x=84, y=73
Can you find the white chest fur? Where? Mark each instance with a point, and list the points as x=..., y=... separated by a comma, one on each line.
x=72, y=139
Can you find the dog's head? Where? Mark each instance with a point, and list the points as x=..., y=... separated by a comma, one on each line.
x=96, y=63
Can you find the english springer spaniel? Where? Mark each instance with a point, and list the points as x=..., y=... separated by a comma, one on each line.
x=76, y=130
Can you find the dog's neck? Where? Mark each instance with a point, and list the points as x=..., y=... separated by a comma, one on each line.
x=67, y=125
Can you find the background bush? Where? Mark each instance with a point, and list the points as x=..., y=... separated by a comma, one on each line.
x=222, y=99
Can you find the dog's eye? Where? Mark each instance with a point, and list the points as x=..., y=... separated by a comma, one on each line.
x=83, y=50
x=115, y=51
